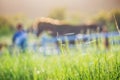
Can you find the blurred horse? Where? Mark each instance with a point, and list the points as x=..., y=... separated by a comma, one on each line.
x=57, y=29
x=64, y=28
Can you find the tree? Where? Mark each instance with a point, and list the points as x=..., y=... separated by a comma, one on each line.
x=105, y=18
x=58, y=13
x=116, y=15
x=5, y=27
x=74, y=18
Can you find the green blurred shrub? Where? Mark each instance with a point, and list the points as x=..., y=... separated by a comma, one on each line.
x=58, y=13
x=5, y=27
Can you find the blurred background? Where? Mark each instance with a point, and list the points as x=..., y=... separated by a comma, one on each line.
x=100, y=58
x=73, y=12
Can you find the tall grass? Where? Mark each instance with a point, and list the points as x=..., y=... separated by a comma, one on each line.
x=73, y=66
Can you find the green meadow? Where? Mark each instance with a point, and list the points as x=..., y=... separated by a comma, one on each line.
x=71, y=64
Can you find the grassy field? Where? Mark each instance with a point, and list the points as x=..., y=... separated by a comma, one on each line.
x=80, y=63
x=72, y=65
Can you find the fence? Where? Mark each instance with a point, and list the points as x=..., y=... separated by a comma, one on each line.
x=114, y=38
x=50, y=44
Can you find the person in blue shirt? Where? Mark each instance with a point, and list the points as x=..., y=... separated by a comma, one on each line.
x=20, y=38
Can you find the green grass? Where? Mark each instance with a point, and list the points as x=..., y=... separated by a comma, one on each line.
x=73, y=66
x=87, y=63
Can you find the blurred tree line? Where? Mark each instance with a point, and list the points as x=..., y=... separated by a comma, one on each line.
x=61, y=14
x=58, y=13
x=117, y=19
x=7, y=25
x=109, y=19
x=103, y=18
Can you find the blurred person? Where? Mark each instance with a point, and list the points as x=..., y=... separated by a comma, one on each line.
x=2, y=45
x=97, y=43
x=106, y=38
x=20, y=38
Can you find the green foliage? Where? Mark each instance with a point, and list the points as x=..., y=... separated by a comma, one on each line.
x=107, y=19
x=5, y=27
x=102, y=17
x=117, y=17
x=74, y=19
x=58, y=13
